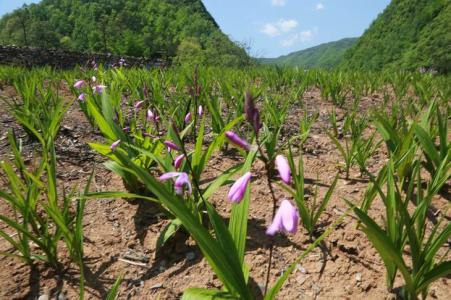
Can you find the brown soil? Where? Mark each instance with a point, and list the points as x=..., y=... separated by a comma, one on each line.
x=120, y=236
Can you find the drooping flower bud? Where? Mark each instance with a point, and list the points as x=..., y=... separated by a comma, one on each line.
x=171, y=145
x=178, y=161
x=238, y=189
x=79, y=84
x=188, y=118
x=284, y=168
x=138, y=104
x=285, y=220
x=235, y=139
x=114, y=145
x=82, y=97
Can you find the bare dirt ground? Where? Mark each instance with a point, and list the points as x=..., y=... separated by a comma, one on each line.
x=120, y=236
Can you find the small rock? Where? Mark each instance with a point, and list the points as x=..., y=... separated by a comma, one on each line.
x=156, y=286
x=62, y=296
x=358, y=277
x=44, y=297
x=316, y=289
x=301, y=279
x=190, y=256
x=301, y=269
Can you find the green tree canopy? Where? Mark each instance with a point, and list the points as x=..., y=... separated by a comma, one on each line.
x=128, y=27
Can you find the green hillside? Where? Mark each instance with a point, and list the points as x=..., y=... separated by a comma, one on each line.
x=409, y=34
x=129, y=27
x=322, y=56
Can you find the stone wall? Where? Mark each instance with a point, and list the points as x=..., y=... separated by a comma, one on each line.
x=33, y=57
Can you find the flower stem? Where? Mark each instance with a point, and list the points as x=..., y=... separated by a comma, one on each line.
x=268, y=168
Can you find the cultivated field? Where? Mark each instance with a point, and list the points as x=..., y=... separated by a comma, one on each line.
x=224, y=184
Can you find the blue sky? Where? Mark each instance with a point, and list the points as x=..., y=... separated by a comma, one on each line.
x=277, y=27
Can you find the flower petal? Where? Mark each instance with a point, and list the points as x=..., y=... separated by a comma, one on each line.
x=169, y=175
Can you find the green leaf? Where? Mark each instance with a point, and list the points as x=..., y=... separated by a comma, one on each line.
x=168, y=231
x=103, y=124
x=428, y=146
x=390, y=255
x=114, y=291
x=220, y=180
x=228, y=273
x=239, y=214
x=206, y=294
x=325, y=201
x=441, y=270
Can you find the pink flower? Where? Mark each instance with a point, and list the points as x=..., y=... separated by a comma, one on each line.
x=181, y=180
x=188, y=117
x=150, y=115
x=285, y=220
x=82, y=97
x=238, y=189
x=283, y=168
x=171, y=145
x=235, y=139
x=114, y=145
x=98, y=89
x=199, y=110
x=178, y=161
x=79, y=84
x=138, y=104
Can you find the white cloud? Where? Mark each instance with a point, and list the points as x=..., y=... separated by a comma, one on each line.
x=271, y=30
x=277, y=28
x=319, y=6
x=303, y=36
x=278, y=2
x=287, y=25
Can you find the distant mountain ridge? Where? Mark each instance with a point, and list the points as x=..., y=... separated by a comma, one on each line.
x=129, y=27
x=327, y=55
x=409, y=34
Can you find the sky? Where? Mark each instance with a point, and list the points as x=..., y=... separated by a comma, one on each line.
x=278, y=27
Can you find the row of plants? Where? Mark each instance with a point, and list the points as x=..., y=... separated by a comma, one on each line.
x=162, y=127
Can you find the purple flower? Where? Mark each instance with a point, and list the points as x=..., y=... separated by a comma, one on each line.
x=98, y=89
x=252, y=114
x=178, y=161
x=181, y=180
x=138, y=104
x=199, y=110
x=171, y=145
x=188, y=117
x=79, y=84
x=238, y=189
x=82, y=97
x=285, y=220
x=126, y=129
x=114, y=145
x=283, y=168
x=235, y=139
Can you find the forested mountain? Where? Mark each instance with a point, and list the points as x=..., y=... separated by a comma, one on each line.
x=326, y=55
x=130, y=27
x=409, y=34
